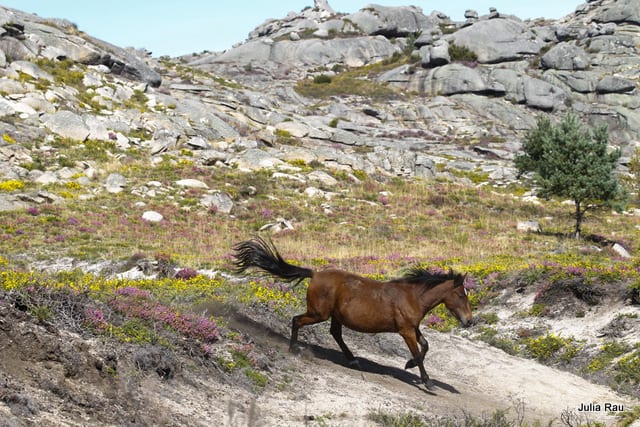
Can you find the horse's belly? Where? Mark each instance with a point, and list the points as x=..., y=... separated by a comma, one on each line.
x=368, y=324
x=371, y=329
x=366, y=315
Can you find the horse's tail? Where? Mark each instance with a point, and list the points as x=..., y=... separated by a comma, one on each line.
x=262, y=254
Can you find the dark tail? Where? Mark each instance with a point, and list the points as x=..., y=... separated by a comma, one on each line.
x=262, y=254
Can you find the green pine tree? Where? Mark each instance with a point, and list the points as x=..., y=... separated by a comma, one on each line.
x=572, y=163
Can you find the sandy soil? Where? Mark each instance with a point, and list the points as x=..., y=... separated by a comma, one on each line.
x=53, y=377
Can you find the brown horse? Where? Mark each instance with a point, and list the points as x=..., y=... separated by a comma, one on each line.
x=363, y=304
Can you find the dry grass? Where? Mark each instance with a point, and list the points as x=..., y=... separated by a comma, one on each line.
x=416, y=221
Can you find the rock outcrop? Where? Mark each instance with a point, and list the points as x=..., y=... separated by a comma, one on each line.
x=458, y=96
x=27, y=37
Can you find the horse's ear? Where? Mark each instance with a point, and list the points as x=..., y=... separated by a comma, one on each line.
x=464, y=279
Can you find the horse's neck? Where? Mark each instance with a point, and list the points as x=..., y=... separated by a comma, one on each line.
x=434, y=295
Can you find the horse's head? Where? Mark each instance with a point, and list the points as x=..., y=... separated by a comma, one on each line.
x=457, y=301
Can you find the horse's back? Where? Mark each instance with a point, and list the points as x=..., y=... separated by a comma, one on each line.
x=359, y=303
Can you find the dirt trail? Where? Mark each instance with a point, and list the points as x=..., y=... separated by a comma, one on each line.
x=470, y=376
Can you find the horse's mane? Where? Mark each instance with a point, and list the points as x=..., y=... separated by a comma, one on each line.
x=424, y=276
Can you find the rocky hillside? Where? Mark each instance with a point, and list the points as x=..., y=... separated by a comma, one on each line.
x=443, y=98
x=113, y=161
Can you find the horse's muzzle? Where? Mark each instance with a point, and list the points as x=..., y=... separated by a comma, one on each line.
x=468, y=322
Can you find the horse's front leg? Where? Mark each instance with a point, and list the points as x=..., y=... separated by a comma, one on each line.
x=410, y=337
x=424, y=344
x=336, y=332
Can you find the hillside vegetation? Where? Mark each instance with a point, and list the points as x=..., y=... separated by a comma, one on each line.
x=122, y=195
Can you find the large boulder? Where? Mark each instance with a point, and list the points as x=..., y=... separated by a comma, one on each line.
x=453, y=79
x=354, y=52
x=614, y=84
x=565, y=56
x=620, y=11
x=543, y=95
x=498, y=40
x=391, y=21
x=577, y=81
x=68, y=125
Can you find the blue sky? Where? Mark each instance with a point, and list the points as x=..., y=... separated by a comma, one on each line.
x=180, y=27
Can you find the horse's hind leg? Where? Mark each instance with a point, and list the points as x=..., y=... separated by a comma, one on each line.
x=424, y=344
x=302, y=320
x=411, y=338
x=336, y=332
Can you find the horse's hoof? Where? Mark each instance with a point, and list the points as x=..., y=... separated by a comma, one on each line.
x=296, y=350
x=430, y=385
x=410, y=364
x=354, y=364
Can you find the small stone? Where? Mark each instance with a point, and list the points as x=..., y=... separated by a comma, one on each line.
x=529, y=227
x=192, y=183
x=152, y=216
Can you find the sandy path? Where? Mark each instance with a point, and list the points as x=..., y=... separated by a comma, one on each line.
x=470, y=376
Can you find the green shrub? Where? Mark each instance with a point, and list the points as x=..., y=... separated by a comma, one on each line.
x=551, y=345
x=322, y=79
x=396, y=420
x=461, y=53
x=627, y=369
x=491, y=337
x=608, y=352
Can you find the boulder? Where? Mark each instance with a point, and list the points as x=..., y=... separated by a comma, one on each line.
x=280, y=225
x=323, y=5
x=353, y=52
x=152, y=216
x=68, y=125
x=498, y=40
x=209, y=125
x=198, y=143
x=163, y=140
x=511, y=81
x=295, y=129
x=33, y=37
x=621, y=251
x=255, y=159
x=614, y=84
x=45, y=178
x=31, y=69
x=115, y=183
x=191, y=183
x=323, y=178
x=391, y=21
x=453, y=79
x=577, y=81
x=542, y=95
x=439, y=53
x=620, y=11
x=218, y=202
x=424, y=39
x=12, y=87
x=565, y=56
x=529, y=227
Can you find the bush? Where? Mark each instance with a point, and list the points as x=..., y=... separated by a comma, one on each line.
x=608, y=352
x=628, y=368
x=461, y=53
x=547, y=346
x=322, y=79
